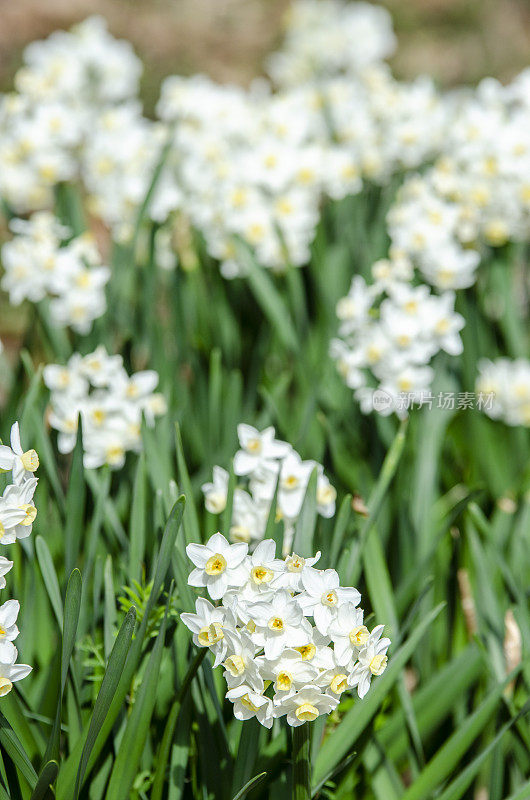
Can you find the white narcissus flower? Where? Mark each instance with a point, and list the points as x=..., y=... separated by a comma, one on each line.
x=279, y=623
x=10, y=672
x=215, y=492
x=239, y=662
x=290, y=577
x=17, y=511
x=372, y=661
x=323, y=596
x=219, y=565
x=348, y=633
x=209, y=626
x=8, y=628
x=288, y=671
x=305, y=705
x=249, y=703
x=256, y=447
x=22, y=463
x=263, y=566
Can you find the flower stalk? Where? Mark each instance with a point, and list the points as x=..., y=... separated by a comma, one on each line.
x=301, y=754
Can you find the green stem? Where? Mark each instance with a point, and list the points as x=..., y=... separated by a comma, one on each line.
x=301, y=753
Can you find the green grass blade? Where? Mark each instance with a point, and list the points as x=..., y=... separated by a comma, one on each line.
x=46, y=778
x=253, y=782
x=106, y=693
x=50, y=579
x=305, y=524
x=135, y=735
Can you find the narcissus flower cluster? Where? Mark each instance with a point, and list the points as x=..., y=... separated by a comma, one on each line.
x=389, y=332
x=17, y=514
x=290, y=638
x=43, y=260
x=261, y=464
x=109, y=401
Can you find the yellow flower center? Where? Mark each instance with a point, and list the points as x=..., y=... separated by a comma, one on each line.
x=284, y=681
x=295, y=563
x=254, y=445
x=330, y=598
x=98, y=416
x=215, y=565
x=114, y=454
x=235, y=665
x=378, y=664
x=247, y=702
x=5, y=686
x=210, y=634
x=2, y=631
x=339, y=683
x=325, y=495
x=290, y=482
x=359, y=635
x=31, y=513
x=30, y=461
x=275, y=624
x=307, y=651
x=306, y=712
x=261, y=575
x=239, y=533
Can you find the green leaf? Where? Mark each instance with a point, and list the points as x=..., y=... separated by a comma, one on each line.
x=445, y=760
x=72, y=605
x=46, y=778
x=137, y=727
x=75, y=504
x=268, y=297
x=138, y=522
x=67, y=774
x=106, y=693
x=253, y=782
x=461, y=783
x=50, y=578
x=305, y=524
x=169, y=730
x=13, y=747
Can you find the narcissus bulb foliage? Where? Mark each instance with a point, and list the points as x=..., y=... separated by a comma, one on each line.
x=290, y=638
x=17, y=514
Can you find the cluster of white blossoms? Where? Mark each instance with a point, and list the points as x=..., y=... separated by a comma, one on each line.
x=330, y=38
x=389, y=332
x=42, y=260
x=245, y=165
x=477, y=194
x=110, y=403
x=17, y=514
x=65, y=81
x=475, y=197
x=266, y=463
x=291, y=639
x=509, y=383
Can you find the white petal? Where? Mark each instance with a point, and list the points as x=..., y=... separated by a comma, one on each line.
x=199, y=554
